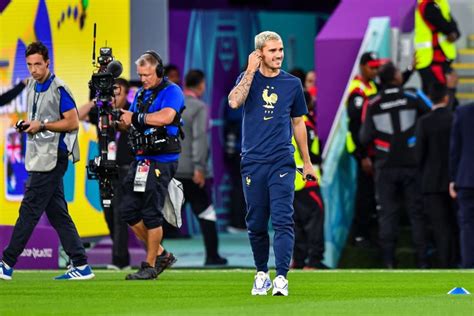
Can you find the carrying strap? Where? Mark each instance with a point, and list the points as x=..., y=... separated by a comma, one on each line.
x=143, y=107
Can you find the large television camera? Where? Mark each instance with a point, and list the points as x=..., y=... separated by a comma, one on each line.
x=102, y=82
x=104, y=167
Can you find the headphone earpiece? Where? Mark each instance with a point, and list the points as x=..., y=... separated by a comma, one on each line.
x=159, y=68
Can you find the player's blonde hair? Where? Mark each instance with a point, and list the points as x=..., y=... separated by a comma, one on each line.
x=263, y=37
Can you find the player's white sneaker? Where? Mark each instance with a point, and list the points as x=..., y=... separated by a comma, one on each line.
x=261, y=283
x=5, y=273
x=280, y=286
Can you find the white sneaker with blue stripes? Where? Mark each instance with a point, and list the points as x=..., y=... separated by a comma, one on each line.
x=77, y=273
x=261, y=283
x=5, y=271
x=280, y=286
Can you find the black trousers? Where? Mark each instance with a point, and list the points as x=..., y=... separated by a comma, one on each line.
x=45, y=192
x=117, y=227
x=466, y=226
x=436, y=73
x=442, y=216
x=365, y=204
x=199, y=200
x=237, y=207
x=309, y=227
x=397, y=188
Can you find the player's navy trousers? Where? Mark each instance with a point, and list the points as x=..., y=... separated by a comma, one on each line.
x=269, y=192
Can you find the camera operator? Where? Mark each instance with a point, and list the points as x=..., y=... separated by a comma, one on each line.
x=154, y=121
x=123, y=157
x=52, y=127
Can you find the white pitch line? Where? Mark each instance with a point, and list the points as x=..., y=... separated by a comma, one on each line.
x=179, y=270
x=326, y=271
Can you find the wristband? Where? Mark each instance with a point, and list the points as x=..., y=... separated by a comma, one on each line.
x=135, y=120
x=141, y=119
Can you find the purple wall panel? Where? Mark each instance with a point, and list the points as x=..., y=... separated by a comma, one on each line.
x=41, y=251
x=339, y=42
x=177, y=37
x=331, y=65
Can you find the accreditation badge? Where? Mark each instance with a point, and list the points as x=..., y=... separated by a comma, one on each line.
x=141, y=175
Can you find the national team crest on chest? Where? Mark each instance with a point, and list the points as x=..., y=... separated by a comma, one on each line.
x=270, y=98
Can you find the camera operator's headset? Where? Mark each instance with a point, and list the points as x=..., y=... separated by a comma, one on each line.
x=159, y=68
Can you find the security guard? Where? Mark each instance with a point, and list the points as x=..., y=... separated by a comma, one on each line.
x=435, y=34
x=308, y=203
x=361, y=89
x=390, y=126
x=154, y=121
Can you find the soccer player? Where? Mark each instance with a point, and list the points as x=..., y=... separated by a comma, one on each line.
x=273, y=106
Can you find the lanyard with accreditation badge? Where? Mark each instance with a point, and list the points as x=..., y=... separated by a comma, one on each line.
x=37, y=96
x=141, y=175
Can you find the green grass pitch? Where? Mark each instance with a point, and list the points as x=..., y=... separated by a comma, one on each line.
x=227, y=292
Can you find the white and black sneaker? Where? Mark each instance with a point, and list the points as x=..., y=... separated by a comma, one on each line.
x=280, y=286
x=261, y=283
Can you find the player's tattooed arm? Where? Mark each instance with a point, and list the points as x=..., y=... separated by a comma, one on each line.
x=239, y=94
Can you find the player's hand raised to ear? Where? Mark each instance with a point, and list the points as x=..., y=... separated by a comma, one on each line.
x=255, y=58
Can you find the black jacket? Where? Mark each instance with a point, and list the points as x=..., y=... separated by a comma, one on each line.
x=432, y=14
x=389, y=124
x=432, y=149
x=462, y=147
x=11, y=94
